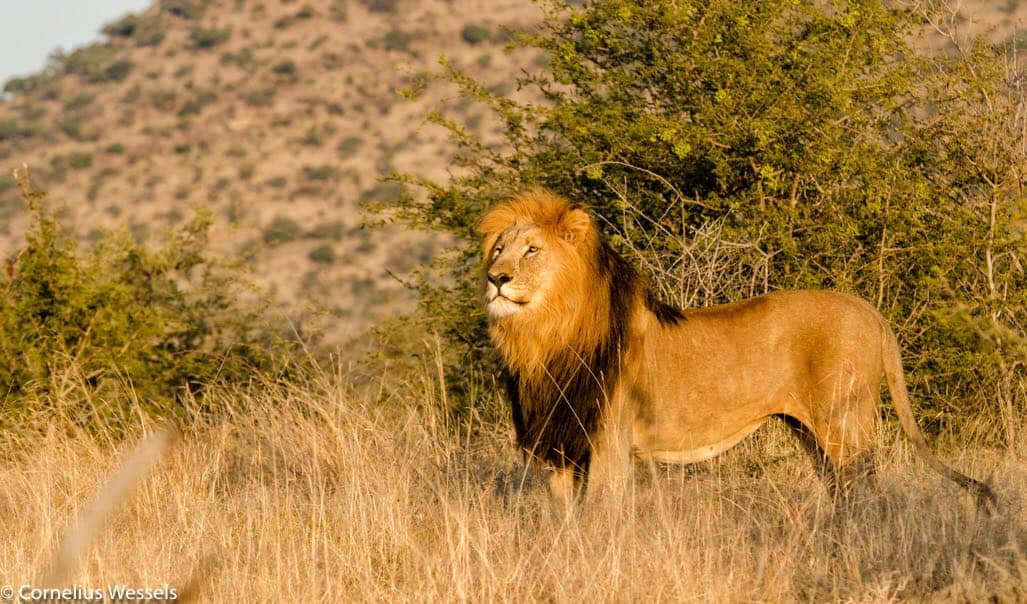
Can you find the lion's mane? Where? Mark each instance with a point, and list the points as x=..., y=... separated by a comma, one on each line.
x=560, y=360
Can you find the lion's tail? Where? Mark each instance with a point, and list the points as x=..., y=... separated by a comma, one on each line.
x=900, y=397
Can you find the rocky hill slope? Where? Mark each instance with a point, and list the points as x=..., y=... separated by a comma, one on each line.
x=280, y=116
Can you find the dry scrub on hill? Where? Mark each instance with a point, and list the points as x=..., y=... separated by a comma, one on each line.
x=317, y=493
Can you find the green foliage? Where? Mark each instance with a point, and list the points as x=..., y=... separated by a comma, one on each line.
x=80, y=160
x=475, y=34
x=321, y=172
x=285, y=68
x=380, y=6
x=260, y=97
x=185, y=9
x=209, y=37
x=333, y=229
x=150, y=31
x=14, y=130
x=338, y=11
x=349, y=145
x=825, y=149
x=322, y=254
x=28, y=83
x=282, y=229
x=98, y=63
x=124, y=27
x=397, y=39
x=121, y=318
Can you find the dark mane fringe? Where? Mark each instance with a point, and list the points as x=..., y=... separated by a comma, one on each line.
x=556, y=416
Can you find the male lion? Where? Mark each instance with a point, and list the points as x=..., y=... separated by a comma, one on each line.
x=599, y=370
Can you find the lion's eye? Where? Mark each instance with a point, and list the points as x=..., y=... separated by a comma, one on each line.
x=531, y=250
x=497, y=250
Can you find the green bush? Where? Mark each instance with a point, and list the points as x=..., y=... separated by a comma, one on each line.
x=475, y=34
x=149, y=31
x=321, y=172
x=97, y=63
x=380, y=6
x=14, y=130
x=397, y=39
x=322, y=254
x=80, y=160
x=209, y=37
x=261, y=97
x=349, y=145
x=282, y=229
x=285, y=68
x=28, y=83
x=333, y=229
x=122, y=322
x=815, y=147
x=185, y=9
x=124, y=27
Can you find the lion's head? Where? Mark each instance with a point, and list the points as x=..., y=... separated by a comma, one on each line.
x=541, y=279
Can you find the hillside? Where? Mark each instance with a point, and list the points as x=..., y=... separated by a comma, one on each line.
x=278, y=116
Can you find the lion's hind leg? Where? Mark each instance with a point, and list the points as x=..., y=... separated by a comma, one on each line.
x=840, y=468
x=838, y=430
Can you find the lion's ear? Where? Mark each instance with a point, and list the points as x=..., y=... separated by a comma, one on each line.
x=492, y=224
x=576, y=226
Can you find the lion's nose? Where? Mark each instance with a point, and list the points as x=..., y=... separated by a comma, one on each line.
x=499, y=279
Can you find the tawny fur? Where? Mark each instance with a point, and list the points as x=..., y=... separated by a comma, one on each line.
x=599, y=371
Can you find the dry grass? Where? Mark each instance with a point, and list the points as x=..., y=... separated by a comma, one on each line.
x=313, y=493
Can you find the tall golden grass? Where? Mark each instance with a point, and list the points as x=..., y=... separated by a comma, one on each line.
x=320, y=492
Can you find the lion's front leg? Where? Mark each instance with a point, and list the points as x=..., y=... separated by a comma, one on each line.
x=564, y=485
x=610, y=469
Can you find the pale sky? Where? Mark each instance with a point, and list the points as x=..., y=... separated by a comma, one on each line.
x=31, y=29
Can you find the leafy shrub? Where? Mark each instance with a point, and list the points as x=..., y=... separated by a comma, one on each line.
x=383, y=192
x=824, y=147
x=164, y=99
x=185, y=9
x=380, y=6
x=282, y=229
x=349, y=145
x=315, y=136
x=28, y=83
x=261, y=97
x=338, y=10
x=285, y=68
x=160, y=320
x=209, y=37
x=195, y=105
x=322, y=254
x=117, y=71
x=475, y=34
x=97, y=63
x=328, y=230
x=71, y=125
x=277, y=182
x=79, y=101
x=149, y=31
x=321, y=172
x=14, y=130
x=115, y=149
x=124, y=27
x=80, y=160
x=397, y=39
x=244, y=59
